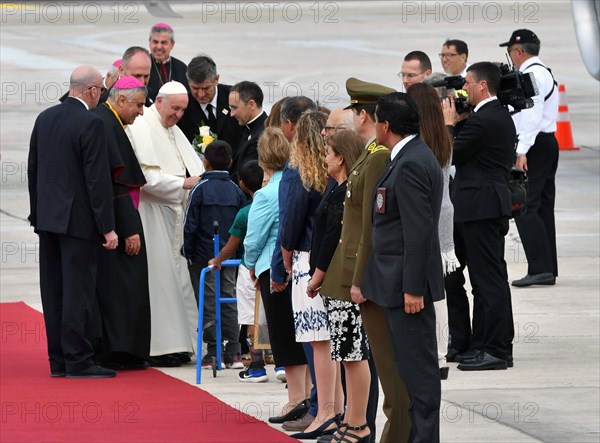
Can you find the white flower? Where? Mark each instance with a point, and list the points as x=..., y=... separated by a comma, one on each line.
x=204, y=130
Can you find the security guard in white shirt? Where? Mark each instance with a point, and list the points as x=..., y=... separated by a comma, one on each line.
x=537, y=154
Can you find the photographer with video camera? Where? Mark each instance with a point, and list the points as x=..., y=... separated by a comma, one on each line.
x=537, y=154
x=483, y=155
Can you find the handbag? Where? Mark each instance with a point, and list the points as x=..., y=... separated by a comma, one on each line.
x=517, y=183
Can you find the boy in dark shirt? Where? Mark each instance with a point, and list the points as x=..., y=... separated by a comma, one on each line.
x=214, y=199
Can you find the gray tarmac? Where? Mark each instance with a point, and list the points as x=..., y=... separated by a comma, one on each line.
x=552, y=393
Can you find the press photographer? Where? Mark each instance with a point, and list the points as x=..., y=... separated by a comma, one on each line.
x=483, y=155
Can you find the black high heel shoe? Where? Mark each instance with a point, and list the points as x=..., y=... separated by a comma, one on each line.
x=335, y=436
x=343, y=439
x=320, y=431
x=298, y=411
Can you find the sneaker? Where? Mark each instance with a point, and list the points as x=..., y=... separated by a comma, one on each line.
x=206, y=362
x=250, y=375
x=280, y=374
x=233, y=361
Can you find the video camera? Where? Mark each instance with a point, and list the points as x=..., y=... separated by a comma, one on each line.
x=455, y=82
x=516, y=89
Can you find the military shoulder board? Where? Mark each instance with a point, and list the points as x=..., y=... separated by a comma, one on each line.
x=374, y=147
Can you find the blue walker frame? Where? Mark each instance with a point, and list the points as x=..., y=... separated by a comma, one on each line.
x=217, y=364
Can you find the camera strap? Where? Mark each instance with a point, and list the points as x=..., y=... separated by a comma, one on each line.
x=553, y=79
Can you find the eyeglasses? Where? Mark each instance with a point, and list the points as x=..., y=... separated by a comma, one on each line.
x=334, y=128
x=447, y=54
x=409, y=74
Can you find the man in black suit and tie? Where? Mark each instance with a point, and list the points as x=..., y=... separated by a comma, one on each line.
x=245, y=102
x=71, y=210
x=404, y=272
x=484, y=152
x=209, y=104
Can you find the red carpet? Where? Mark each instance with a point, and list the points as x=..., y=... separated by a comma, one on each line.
x=136, y=406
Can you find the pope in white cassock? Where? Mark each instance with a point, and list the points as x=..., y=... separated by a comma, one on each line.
x=171, y=167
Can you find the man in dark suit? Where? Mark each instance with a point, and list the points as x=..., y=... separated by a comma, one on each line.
x=71, y=210
x=404, y=272
x=484, y=152
x=165, y=68
x=245, y=102
x=348, y=264
x=209, y=104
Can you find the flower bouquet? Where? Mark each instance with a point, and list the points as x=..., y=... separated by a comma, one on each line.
x=204, y=138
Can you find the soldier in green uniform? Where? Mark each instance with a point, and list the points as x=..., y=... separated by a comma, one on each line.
x=345, y=272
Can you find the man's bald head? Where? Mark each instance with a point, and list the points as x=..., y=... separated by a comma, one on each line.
x=136, y=63
x=86, y=84
x=338, y=119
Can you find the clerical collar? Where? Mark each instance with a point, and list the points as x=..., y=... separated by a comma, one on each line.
x=160, y=63
x=254, y=119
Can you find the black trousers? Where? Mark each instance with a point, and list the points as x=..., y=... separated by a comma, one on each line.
x=415, y=351
x=280, y=323
x=484, y=243
x=68, y=287
x=462, y=337
x=537, y=226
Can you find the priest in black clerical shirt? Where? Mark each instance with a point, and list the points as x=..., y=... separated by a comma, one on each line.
x=245, y=102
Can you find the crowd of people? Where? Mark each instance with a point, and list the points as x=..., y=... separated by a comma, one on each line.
x=354, y=227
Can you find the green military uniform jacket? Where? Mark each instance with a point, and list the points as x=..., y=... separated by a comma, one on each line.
x=355, y=245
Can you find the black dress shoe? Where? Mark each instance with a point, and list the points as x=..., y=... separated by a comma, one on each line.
x=510, y=361
x=546, y=278
x=451, y=355
x=57, y=370
x=298, y=411
x=444, y=372
x=471, y=353
x=183, y=357
x=482, y=362
x=125, y=366
x=164, y=361
x=94, y=371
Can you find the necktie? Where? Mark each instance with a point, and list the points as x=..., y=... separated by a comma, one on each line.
x=212, y=120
